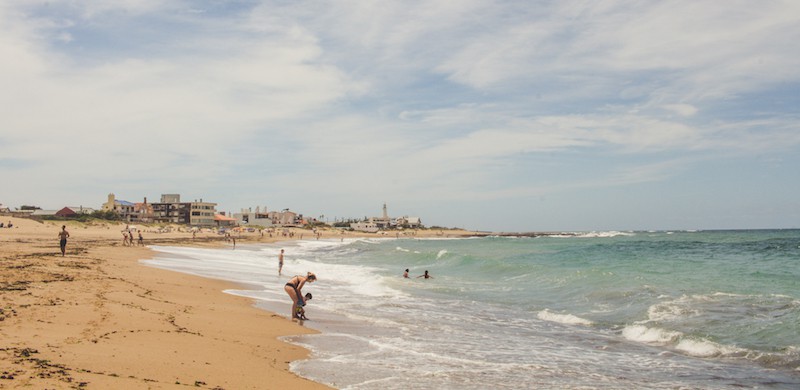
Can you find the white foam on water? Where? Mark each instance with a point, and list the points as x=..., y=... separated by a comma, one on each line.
x=647, y=335
x=697, y=347
x=671, y=310
x=431, y=336
x=705, y=348
x=567, y=319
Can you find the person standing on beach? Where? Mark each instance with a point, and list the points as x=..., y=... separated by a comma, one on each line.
x=295, y=290
x=63, y=235
x=280, y=263
x=141, y=239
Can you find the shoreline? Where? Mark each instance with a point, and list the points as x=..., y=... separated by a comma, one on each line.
x=98, y=318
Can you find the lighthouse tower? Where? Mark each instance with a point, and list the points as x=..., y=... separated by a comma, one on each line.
x=385, y=213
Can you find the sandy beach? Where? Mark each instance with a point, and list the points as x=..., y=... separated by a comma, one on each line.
x=97, y=318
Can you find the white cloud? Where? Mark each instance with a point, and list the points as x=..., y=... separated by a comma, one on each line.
x=701, y=50
x=65, y=37
x=681, y=109
x=452, y=100
x=193, y=102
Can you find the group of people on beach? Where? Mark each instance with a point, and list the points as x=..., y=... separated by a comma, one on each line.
x=128, y=239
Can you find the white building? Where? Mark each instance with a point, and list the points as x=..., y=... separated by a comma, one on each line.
x=406, y=221
x=248, y=217
x=369, y=227
x=81, y=209
x=268, y=218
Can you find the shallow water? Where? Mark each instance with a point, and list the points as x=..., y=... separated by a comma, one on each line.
x=601, y=310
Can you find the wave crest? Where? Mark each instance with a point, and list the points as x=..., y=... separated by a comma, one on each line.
x=567, y=319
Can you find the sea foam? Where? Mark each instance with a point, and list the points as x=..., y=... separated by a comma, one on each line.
x=647, y=335
x=705, y=348
x=567, y=319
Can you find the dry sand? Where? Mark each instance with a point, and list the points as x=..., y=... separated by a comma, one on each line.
x=98, y=319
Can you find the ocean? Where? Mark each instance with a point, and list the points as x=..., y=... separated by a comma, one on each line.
x=601, y=310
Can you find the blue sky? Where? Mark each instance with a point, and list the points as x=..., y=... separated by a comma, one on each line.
x=489, y=115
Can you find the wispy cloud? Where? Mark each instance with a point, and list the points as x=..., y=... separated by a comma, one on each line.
x=294, y=105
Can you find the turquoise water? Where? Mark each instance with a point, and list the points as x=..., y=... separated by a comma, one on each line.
x=708, y=309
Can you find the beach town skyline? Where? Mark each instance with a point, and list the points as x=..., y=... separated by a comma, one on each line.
x=492, y=116
x=171, y=209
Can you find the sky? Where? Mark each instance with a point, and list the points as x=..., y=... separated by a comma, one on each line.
x=504, y=116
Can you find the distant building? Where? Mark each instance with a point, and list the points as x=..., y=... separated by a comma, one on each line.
x=385, y=222
x=286, y=218
x=406, y=221
x=73, y=211
x=44, y=213
x=266, y=218
x=143, y=212
x=66, y=212
x=172, y=210
x=382, y=222
x=259, y=217
x=123, y=208
x=81, y=209
x=224, y=221
x=369, y=227
x=170, y=198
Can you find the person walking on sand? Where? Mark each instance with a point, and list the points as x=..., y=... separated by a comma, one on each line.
x=295, y=290
x=141, y=239
x=425, y=275
x=280, y=263
x=63, y=235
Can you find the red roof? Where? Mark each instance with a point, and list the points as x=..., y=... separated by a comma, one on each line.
x=220, y=217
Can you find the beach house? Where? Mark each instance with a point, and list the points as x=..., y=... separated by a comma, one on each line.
x=72, y=211
x=264, y=218
x=366, y=226
x=123, y=208
x=258, y=217
x=408, y=222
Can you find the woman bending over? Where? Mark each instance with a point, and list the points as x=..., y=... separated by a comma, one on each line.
x=294, y=288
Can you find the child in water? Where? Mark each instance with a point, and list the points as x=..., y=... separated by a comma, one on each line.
x=301, y=312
